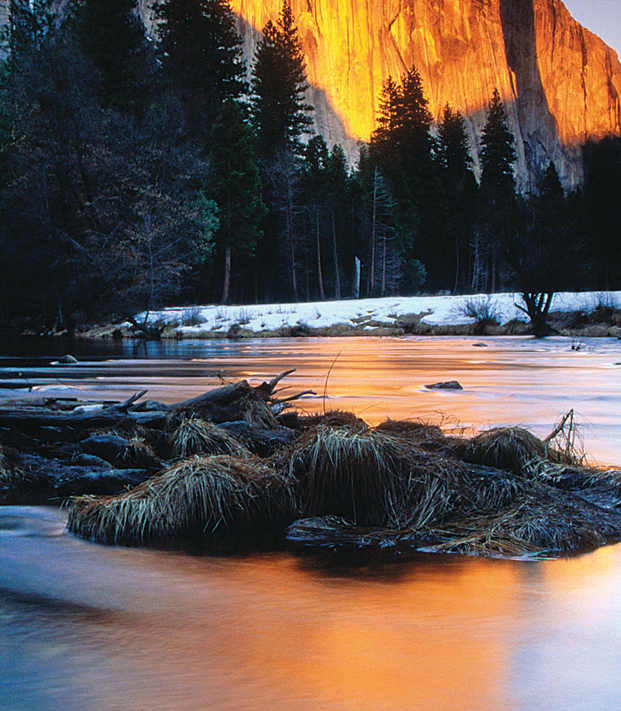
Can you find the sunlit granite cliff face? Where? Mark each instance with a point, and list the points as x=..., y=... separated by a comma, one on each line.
x=560, y=82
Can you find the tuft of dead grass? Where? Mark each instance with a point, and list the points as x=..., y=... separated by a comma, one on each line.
x=196, y=436
x=513, y=449
x=335, y=418
x=421, y=434
x=540, y=520
x=258, y=413
x=188, y=502
x=348, y=473
x=138, y=454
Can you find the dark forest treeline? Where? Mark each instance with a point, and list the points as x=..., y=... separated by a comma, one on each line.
x=138, y=171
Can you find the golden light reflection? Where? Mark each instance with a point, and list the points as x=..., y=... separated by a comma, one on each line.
x=428, y=639
x=136, y=629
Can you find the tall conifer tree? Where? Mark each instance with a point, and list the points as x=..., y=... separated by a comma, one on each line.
x=281, y=118
x=112, y=36
x=279, y=85
x=497, y=204
x=235, y=185
x=460, y=189
x=201, y=57
x=497, y=154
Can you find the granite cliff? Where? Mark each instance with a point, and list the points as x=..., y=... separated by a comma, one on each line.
x=560, y=82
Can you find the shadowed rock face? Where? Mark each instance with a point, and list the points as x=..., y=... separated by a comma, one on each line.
x=560, y=82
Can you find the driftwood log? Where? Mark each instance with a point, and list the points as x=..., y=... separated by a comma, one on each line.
x=49, y=441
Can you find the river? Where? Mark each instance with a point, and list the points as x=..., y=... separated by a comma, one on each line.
x=89, y=628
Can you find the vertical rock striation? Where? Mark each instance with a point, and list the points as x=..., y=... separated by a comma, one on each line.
x=560, y=82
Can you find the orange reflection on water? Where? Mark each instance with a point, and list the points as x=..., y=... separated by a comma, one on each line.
x=434, y=638
x=130, y=629
x=423, y=640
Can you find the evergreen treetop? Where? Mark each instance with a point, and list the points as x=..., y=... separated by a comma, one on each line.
x=279, y=85
x=113, y=37
x=387, y=114
x=454, y=148
x=498, y=152
x=551, y=186
x=413, y=117
x=201, y=56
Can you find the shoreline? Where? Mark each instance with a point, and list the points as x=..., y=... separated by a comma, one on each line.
x=573, y=315
x=121, y=331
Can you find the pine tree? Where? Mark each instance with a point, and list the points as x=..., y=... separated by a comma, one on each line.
x=460, y=189
x=279, y=85
x=454, y=148
x=112, y=36
x=413, y=124
x=497, y=154
x=387, y=114
x=497, y=204
x=337, y=179
x=404, y=149
x=551, y=188
x=201, y=57
x=280, y=117
x=235, y=185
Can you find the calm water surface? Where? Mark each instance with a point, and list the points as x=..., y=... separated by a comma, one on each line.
x=89, y=628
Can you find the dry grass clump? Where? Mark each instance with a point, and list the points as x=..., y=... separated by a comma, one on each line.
x=421, y=434
x=188, y=502
x=373, y=478
x=514, y=449
x=196, y=436
x=353, y=474
x=335, y=418
x=258, y=413
x=138, y=454
x=542, y=520
x=480, y=512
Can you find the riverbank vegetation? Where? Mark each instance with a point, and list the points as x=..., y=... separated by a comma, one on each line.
x=143, y=166
x=239, y=466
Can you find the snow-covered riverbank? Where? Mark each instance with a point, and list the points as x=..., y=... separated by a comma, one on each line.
x=385, y=316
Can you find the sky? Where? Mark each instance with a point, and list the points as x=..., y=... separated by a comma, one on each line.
x=600, y=16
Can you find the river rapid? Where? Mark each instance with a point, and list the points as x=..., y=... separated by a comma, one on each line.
x=91, y=628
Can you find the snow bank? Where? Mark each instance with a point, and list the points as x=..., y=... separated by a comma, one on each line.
x=432, y=310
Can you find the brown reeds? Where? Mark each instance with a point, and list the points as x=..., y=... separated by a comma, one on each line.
x=540, y=520
x=258, y=413
x=335, y=418
x=501, y=492
x=422, y=434
x=348, y=473
x=514, y=449
x=138, y=454
x=188, y=502
x=196, y=436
